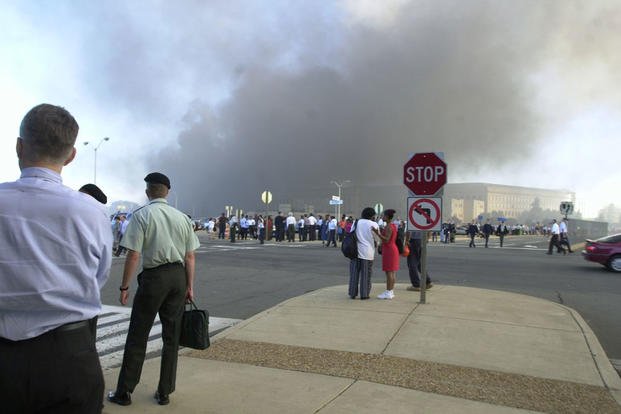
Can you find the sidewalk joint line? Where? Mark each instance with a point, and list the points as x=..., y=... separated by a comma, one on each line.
x=407, y=317
x=343, y=391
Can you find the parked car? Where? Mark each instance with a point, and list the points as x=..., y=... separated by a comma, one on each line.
x=605, y=251
x=461, y=230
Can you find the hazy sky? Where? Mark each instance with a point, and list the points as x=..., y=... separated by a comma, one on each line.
x=231, y=97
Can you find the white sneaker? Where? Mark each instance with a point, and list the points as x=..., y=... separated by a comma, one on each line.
x=385, y=295
x=392, y=294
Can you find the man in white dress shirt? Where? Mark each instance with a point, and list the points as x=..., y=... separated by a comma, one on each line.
x=55, y=257
x=290, y=223
x=564, y=235
x=555, y=239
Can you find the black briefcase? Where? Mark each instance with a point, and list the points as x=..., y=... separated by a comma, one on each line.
x=195, y=328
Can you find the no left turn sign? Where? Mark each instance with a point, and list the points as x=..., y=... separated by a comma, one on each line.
x=425, y=213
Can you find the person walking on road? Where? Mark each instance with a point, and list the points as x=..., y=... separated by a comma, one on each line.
x=165, y=239
x=555, y=239
x=501, y=232
x=55, y=256
x=390, y=254
x=487, y=231
x=473, y=230
x=414, y=262
x=361, y=269
x=332, y=225
x=564, y=235
x=222, y=226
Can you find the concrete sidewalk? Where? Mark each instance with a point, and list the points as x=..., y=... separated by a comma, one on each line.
x=465, y=351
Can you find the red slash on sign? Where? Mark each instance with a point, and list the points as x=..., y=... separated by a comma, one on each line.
x=428, y=213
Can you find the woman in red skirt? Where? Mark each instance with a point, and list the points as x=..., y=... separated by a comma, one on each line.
x=390, y=254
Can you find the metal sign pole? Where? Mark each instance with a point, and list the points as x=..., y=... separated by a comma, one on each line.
x=423, y=268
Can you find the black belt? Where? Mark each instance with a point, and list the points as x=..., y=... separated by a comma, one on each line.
x=62, y=328
x=164, y=265
x=72, y=326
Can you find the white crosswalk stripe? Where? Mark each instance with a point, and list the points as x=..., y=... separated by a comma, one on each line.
x=112, y=328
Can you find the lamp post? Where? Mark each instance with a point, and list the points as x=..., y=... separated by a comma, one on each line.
x=95, y=149
x=338, y=206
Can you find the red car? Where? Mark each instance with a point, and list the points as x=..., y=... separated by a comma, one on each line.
x=605, y=251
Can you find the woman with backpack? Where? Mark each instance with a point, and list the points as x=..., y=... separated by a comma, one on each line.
x=390, y=254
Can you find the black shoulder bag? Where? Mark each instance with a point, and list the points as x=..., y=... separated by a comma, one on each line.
x=194, y=328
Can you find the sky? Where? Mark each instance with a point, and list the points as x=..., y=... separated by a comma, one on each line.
x=230, y=98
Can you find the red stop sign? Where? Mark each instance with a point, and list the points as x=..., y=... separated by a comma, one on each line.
x=424, y=173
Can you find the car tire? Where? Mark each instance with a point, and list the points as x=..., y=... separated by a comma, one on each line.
x=614, y=263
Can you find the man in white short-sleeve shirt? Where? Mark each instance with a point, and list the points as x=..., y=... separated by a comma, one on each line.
x=360, y=269
x=366, y=242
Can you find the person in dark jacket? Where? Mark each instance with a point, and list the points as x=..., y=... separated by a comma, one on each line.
x=473, y=230
x=487, y=231
x=501, y=232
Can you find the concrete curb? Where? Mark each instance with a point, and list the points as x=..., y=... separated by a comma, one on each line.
x=609, y=375
x=258, y=316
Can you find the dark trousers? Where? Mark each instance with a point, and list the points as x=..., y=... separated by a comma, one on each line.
x=331, y=238
x=554, y=242
x=414, y=264
x=502, y=239
x=565, y=242
x=313, y=232
x=221, y=232
x=291, y=233
x=262, y=235
x=360, y=272
x=56, y=372
x=486, y=239
x=472, y=241
x=120, y=249
x=160, y=290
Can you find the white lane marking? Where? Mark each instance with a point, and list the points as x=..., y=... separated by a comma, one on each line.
x=116, y=309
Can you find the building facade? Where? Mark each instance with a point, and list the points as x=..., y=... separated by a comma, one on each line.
x=474, y=199
x=463, y=201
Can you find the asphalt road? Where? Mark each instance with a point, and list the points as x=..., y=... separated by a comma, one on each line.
x=239, y=280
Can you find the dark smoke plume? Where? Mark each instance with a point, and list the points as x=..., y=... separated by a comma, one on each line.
x=453, y=77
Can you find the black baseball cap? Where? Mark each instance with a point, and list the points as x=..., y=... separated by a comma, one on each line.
x=157, y=178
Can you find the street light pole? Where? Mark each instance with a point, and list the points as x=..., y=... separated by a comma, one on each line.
x=95, y=150
x=338, y=206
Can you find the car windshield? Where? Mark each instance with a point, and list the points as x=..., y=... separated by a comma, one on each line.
x=615, y=238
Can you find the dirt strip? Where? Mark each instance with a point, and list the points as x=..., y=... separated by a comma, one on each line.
x=512, y=390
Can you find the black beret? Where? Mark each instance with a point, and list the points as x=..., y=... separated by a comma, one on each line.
x=95, y=192
x=158, y=178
